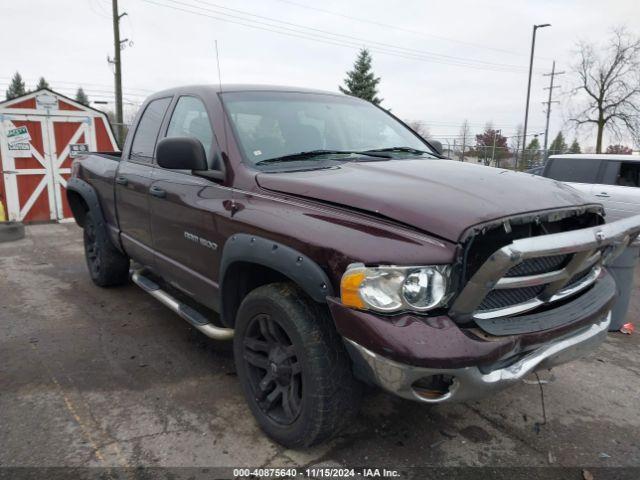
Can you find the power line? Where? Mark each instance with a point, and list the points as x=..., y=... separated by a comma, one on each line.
x=349, y=37
x=82, y=84
x=89, y=91
x=93, y=9
x=458, y=124
x=402, y=29
x=400, y=52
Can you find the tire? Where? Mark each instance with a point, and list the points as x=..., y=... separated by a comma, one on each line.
x=107, y=266
x=277, y=324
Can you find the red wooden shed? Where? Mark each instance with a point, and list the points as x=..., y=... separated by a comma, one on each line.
x=40, y=134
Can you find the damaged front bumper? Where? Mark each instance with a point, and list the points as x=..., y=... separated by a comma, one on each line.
x=469, y=353
x=470, y=383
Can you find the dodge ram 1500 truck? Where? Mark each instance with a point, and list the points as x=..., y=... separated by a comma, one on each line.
x=337, y=247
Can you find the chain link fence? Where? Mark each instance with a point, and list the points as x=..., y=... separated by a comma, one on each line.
x=500, y=157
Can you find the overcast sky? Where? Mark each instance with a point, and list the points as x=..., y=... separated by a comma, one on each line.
x=440, y=62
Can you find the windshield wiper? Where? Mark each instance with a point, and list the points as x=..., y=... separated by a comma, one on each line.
x=400, y=149
x=315, y=153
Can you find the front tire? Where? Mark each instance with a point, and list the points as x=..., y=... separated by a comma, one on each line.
x=292, y=365
x=107, y=266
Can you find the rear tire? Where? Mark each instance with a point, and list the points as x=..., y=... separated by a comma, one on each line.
x=107, y=266
x=292, y=365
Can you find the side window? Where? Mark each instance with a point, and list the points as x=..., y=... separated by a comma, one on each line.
x=579, y=170
x=629, y=175
x=611, y=173
x=144, y=140
x=190, y=119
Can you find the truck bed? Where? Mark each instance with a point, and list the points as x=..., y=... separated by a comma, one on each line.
x=110, y=155
x=99, y=170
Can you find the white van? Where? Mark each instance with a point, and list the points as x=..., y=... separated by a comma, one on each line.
x=613, y=180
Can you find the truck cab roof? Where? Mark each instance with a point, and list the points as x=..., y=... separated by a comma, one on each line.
x=237, y=87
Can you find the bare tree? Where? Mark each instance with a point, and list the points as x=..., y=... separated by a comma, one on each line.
x=609, y=79
x=465, y=137
x=516, y=142
x=419, y=127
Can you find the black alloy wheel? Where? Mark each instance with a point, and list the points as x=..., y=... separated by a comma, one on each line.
x=293, y=367
x=273, y=369
x=107, y=265
x=92, y=248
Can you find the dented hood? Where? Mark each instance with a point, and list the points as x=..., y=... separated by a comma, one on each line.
x=442, y=197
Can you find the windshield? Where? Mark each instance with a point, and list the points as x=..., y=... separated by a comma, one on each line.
x=270, y=125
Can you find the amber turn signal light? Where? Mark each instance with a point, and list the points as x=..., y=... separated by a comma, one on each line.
x=350, y=289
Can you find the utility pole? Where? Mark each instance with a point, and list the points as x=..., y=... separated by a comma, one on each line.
x=464, y=131
x=493, y=152
x=117, y=46
x=548, y=104
x=526, y=110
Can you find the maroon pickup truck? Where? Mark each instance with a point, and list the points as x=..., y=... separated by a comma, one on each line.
x=337, y=247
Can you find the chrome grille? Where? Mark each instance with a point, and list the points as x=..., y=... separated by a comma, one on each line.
x=530, y=272
x=577, y=277
x=506, y=298
x=534, y=266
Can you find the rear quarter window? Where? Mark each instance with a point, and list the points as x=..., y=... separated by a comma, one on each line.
x=579, y=170
x=146, y=135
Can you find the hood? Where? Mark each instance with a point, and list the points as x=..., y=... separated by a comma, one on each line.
x=442, y=197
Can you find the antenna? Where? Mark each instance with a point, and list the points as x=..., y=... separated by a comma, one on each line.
x=218, y=64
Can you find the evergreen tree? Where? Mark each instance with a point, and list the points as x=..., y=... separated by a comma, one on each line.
x=81, y=97
x=558, y=145
x=42, y=83
x=16, y=87
x=575, y=147
x=361, y=81
x=532, y=154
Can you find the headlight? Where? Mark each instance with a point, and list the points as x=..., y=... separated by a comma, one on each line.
x=390, y=289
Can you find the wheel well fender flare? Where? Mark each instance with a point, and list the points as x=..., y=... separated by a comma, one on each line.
x=88, y=194
x=294, y=265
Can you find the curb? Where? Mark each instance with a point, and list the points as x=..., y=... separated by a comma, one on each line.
x=10, y=231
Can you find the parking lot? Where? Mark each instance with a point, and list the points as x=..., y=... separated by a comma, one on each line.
x=110, y=377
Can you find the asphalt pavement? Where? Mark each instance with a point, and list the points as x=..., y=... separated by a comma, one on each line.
x=93, y=377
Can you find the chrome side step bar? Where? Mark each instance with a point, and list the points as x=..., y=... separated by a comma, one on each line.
x=196, y=319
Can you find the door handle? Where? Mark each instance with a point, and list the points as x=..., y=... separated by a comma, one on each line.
x=603, y=195
x=158, y=192
x=122, y=180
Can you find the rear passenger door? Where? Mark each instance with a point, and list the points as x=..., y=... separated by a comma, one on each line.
x=133, y=180
x=620, y=189
x=185, y=210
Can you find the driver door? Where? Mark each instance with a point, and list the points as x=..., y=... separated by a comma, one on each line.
x=185, y=210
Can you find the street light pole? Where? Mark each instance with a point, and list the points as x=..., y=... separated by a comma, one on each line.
x=526, y=110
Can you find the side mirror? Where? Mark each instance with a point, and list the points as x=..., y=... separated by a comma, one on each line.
x=436, y=145
x=181, y=153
